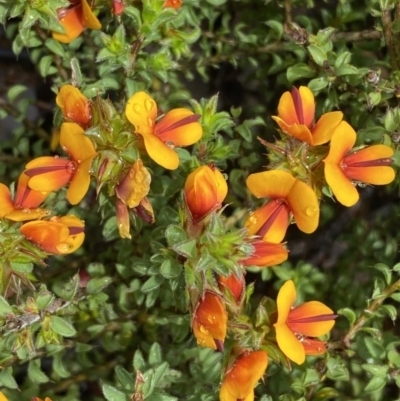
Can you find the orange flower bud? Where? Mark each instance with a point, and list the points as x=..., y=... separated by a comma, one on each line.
x=234, y=284
x=145, y=211
x=37, y=399
x=118, y=7
x=123, y=222
x=209, y=321
x=73, y=104
x=175, y=4
x=59, y=235
x=240, y=380
x=266, y=254
x=205, y=190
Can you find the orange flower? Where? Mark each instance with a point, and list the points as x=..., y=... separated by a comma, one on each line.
x=369, y=165
x=24, y=207
x=51, y=173
x=74, y=20
x=266, y=254
x=145, y=211
x=59, y=235
x=3, y=397
x=209, y=321
x=240, y=380
x=205, y=190
x=118, y=7
x=296, y=324
x=296, y=111
x=287, y=196
x=175, y=4
x=73, y=104
x=179, y=127
x=39, y=399
x=234, y=284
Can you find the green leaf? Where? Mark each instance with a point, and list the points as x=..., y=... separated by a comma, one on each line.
x=58, y=366
x=152, y=283
x=299, y=71
x=170, y=268
x=15, y=91
x=376, y=370
x=317, y=54
x=187, y=249
x=375, y=384
x=138, y=361
x=45, y=66
x=112, y=394
x=343, y=58
x=125, y=378
x=155, y=354
x=349, y=314
x=7, y=378
x=346, y=69
x=385, y=270
x=175, y=234
x=35, y=373
x=318, y=84
x=5, y=307
x=62, y=327
x=55, y=46
x=96, y=285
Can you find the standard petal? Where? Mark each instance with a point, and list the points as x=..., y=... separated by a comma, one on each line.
x=344, y=191
x=72, y=23
x=6, y=203
x=270, y=184
x=80, y=182
x=266, y=254
x=179, y=127
x=221, y=184
x=27, y=214
x=286, y=109
x=343, y=139
x=300, y=132
x=224, y=394
x=308, y=105
x=234, y=284
x=203, y=336
x=161, y=153
x=301, y=318
x=27, y=197
x=303, y=203
x=325, y=127
x=285, y=300
x=141, y=111
x=371, y=175
x=75, y=143
x=89, y=19
x=248, y=369
x=289, y=344
x=48, y=174
x=270, y=221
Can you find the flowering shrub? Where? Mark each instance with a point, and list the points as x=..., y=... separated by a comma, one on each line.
x=157, y=247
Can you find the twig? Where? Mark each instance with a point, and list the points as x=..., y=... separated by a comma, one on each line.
x=387, y=33
x=288, y=12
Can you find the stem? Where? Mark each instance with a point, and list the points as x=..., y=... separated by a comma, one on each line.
x=288, y=12
x=366, y=315
x=387, y=33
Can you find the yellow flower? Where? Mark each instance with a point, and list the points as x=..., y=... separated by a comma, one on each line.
x=240, y=380
x=74, y=20
x=295, y=325
x=296, y=112
x=73, y=104
x=287, y=196
x=59, y=235
x=205, y=190
x=179, y=127
x=370, y=165
x=48, y=174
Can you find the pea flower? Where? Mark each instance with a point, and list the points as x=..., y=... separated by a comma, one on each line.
x=266, y=254
x=130, y=192
x=51, y=173
x=296, y=110
x=241, y=378
x=370, y=165
x=59, y=235
x=295, y=325
x=235, y=285
x=25, y=205
x=209, y=321
x=179, y=127
x=74, y=20
x=205, y=189
x=175, y=4
x=73, y=104
x=287, y=195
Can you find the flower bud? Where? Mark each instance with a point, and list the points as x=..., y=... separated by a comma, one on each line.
x=234, y=284
x=205, y=190
x=74, y=105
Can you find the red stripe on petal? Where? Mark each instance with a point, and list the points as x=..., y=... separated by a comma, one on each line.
x=185, y=121
x=298, y=105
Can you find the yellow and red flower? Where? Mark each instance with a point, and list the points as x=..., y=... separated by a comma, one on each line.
x=205, y=190
x=287, y=195
x=296, y=326
x=25, y=205
x=74, y=105
x=51, y=173
x=39, y=399
x=241, y=378
x=266, y=254
x=74, y=20
x=179, y=127
x=209, y=321
x=296, y=112
x=370, y=165
x=234, y=284
x=130, y=192
x=59, y=235
x=175, y=4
